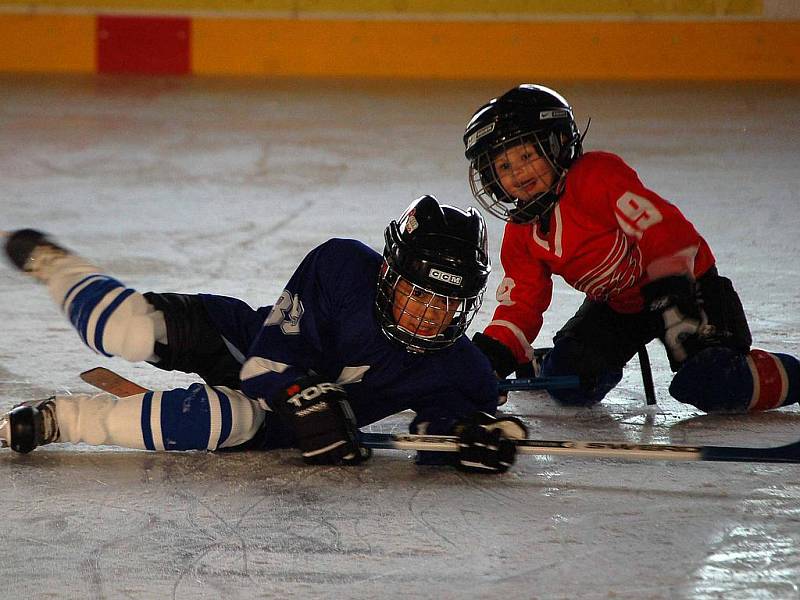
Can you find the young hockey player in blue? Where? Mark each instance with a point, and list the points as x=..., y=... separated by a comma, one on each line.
x=354, y=338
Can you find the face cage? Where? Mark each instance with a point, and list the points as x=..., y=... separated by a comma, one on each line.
x=487, y=190
x=425, y=329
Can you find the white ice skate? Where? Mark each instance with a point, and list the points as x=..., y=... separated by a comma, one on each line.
x=29, y=425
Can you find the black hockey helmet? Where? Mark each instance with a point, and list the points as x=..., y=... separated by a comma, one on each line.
x=435, y=256
x=527, y=113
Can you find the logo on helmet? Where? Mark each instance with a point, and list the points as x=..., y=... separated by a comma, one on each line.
x=411, y=221
x=553, y=114
x=471, y=140
x=445, y=277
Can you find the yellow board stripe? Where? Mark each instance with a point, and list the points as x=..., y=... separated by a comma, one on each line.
x=47, y=43
x=518, y=51
x=486, y=8
x=521, y=51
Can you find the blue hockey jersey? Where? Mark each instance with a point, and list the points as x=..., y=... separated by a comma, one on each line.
x=325, y=323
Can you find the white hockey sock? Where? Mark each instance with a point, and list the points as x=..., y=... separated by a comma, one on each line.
x=100, y=420
x=65, y=272
x=197, y=418
x=110, y=318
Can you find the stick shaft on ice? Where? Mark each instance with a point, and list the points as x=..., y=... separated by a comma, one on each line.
x=789, y=453
x=113, y=383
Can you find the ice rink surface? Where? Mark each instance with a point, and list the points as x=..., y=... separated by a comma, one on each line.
x=223, y=186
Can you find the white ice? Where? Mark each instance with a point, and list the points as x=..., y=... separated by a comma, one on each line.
x=222, y=186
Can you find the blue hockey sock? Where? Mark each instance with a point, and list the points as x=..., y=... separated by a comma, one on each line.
x=721, y=379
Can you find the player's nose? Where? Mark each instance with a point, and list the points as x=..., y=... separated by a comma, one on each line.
x=521, y=168
x=417, y=311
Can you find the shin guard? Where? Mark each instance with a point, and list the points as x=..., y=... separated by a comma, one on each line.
x=723, y=380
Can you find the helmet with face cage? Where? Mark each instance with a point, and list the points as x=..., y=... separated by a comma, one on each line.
x=433, y=275
x=527, y=113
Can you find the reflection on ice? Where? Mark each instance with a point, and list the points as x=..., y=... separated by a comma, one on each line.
x=750, y=562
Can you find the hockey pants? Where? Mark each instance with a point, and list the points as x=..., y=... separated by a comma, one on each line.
x=597, y=342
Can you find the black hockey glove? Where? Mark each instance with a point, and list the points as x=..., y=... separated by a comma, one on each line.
x=500, y=356
x=676, y=299
x=485, y=443
x=321, y=419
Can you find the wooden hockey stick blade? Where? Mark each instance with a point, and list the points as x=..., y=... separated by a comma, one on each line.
x=559, y=382
x=789, y=453
x=111, y=382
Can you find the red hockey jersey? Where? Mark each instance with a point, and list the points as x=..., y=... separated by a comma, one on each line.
x=609, y=235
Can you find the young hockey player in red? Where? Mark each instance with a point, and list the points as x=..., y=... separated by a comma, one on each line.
x=353, y=338
x=644, y=268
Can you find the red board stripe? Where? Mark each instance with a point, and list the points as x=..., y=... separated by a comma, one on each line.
x=145, y=45
x=770, y=382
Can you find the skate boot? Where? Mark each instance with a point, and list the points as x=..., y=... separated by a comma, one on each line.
x=33, y=252
x=29, y=425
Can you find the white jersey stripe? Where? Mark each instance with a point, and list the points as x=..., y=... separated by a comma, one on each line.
x=352, y=374
x=526, y=345
x=599, y=267
x=539, y=241
x=559, y=231
x=256, y=365
x=595, y=285
x=235, y=352
x=557, y=235
x=613, y=257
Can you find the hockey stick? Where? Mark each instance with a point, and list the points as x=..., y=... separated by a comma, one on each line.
x=644, y=365
x=560, y=382
x=789, y=453
x=114, y=383
x=647, y=376
x=111, y=382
